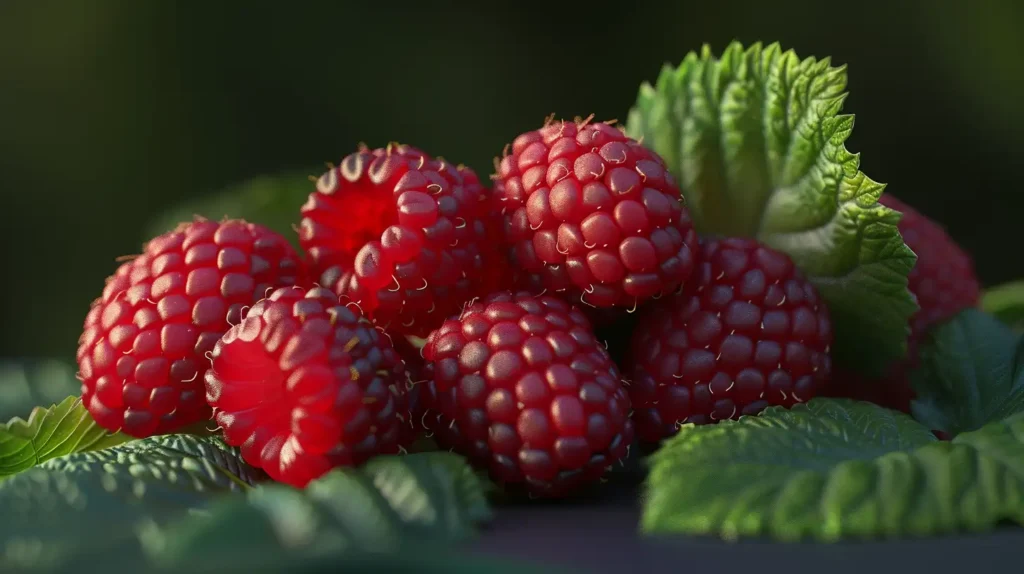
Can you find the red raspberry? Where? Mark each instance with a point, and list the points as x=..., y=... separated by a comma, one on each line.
x=524, y=389
x=305, y=384
x=943, y=279
x=591, y=212
x=143, y=352
x=944, y=282
x=409, y=350
x=401, y=234
x=747, y=331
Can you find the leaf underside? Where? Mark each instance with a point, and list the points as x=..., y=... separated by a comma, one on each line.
x=379, y=507
x=98, y=498
x=757, y=144
x=970, y=374
x=164, y=506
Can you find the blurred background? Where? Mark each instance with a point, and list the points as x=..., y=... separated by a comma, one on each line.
x=114, y=112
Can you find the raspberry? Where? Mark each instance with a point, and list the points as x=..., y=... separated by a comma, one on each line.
x=413, y=363
x=142, y=354
x=747, y=331
x=401, y=234
x=591, y=212
x=943, y=279
x=944, y=282
x=305, y=384
x=522, y=388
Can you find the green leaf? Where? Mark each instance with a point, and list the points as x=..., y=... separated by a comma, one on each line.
x=1006, y=303
x=389, y=514
x=381, y=508
x=96, y=499
x=970, y=374
x=279, y=529
x=271, y=200
x=25, y=385
x=757, y=144
x=831, y=469
x=1002, y=440
x=49, y=433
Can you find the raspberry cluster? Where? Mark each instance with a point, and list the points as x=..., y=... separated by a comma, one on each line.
x=429, y=305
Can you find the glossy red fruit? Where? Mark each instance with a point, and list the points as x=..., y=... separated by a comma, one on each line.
x=591, y=213
x=403, y=235
x=305, y=384
x=944, y=282
x=747, y=331
x=144, y=349
x=520, y=385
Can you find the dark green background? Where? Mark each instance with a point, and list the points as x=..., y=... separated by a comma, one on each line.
x=111, y=111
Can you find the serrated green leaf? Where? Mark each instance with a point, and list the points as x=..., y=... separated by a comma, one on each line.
x=425, y=495
x=94, y=499
x=274, y=521
x=181, y=462
x=450, y=489
x=270, y=200
x=1006, y=303
x=280, y=529
x=49, y=433
x=831, y=469
x=969, y=375
x=1002, y=440
x=390, y=502
x=27, y=384
x=756, y=142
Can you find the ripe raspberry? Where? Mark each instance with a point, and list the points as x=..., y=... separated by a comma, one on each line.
x=592, y=212
x=305, y=384
x=413, y=365
x=143, y=352
x=747, y=331
x=524, y=389
x=401, y=234
x=944, y=282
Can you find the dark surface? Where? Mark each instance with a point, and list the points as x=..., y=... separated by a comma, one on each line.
x=600, y=535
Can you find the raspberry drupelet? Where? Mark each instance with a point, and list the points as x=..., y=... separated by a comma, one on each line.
x=305, y=384
x=144, y=348
x=403, y=235
x=747, y=331
x=592, y=214
x=519, y=384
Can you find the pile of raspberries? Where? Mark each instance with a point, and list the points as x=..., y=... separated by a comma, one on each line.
x=429, y=304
